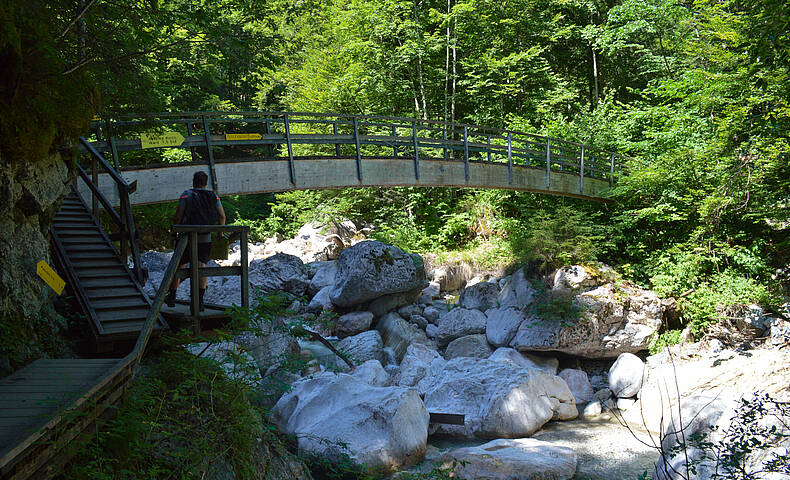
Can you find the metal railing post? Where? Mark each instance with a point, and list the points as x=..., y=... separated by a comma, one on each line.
x=190, y=132
x=548, y=163
x=581, y=171
x=194, y=280
x=212, y=171
x=416, y=150
x=95, y=180
x=337, y=145
x=394, y=141
x=489, y=148
x=116, y=160
x=291, y=175
x=509, y=158
x=444, y=141
x=356, y=143
x=268, y=130
x=466, y=153
x=245, y=273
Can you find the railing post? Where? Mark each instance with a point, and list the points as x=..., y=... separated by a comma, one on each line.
x=548, y=163
x=394, y=141
x=194, y=280
x=116, y=161
x=245, y=273
x=212, y=171
x=444, y=141
x=337, y=145
x=268, y=130
x=489, y=148
x=190, y=132
x=416, y=150
x=356, y=143
x=291, y=175
x=611, y=170
x=509, y=158
x=95, y=180
x=581, y=171
x=466, y=153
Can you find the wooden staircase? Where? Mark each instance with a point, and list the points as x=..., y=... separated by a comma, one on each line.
x=106, y=288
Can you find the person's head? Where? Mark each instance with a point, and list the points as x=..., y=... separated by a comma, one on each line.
x=199, y=180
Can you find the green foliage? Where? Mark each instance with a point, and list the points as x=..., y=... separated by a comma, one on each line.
x=714, y=299
x=181, y=419
x=664, y=339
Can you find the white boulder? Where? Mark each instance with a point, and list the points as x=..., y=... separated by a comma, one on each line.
x=513, y=459
x=459, y=322
x=626, y=375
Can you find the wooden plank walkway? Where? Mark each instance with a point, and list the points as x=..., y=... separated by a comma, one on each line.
x=104, y=285
x=49, y=403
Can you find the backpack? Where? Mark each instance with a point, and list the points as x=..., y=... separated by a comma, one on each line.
x=201, y=208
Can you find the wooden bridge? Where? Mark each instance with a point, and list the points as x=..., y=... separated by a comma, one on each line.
x=255, y=152
x=48, y=404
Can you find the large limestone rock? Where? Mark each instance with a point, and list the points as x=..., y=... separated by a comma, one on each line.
x=475, y=346
x=726, y=375
x=625, y=375
x=324, y=276
x=516, y=459
x=363, y=347
x=392, y=301
x=353, y=323
x=614, y=320
x=517, y=292
x=459, y=322
x=320, y=301
x=579, y=384
x=502, y=325
x=371, y=269
x=720, y=425
x=574, y=278
x=525, y=360
x=480, y=296
x=397, y=334
x=498, y=400
x=381, y=427
x=372, y=373
x=280, y=272
x=420, y=362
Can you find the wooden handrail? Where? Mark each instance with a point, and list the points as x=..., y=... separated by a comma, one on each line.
x=97, y=192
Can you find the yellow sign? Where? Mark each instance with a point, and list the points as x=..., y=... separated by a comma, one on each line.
x=157, y=140
x=243, y=136
x=48, y=275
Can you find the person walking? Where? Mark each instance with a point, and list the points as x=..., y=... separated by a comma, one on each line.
x=197, y=206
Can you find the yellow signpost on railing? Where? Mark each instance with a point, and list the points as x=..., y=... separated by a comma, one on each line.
x=48, y=275
x=158, y=140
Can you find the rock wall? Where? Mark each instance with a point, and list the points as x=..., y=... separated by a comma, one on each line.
x=30, y=194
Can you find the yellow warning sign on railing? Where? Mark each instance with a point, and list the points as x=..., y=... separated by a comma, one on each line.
x=243, y=136
x=48, y=275
x=158, y=140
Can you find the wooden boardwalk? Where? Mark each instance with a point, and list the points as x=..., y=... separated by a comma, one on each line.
x=48, y=404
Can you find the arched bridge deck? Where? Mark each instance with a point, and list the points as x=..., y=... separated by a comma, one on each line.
x=254, y=152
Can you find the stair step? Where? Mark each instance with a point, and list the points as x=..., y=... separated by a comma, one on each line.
x=133, y=326
x=119, y=273
x=138, y=313
x=80, y=263
x=73, y=238
x=79, y=208
x=98, y=293
x=107, y=282
x=97, y=247
x=120, y=302
x=72, y=232
x=86, y=255
x=87, y=272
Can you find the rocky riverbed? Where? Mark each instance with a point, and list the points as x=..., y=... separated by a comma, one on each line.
x=545, y=371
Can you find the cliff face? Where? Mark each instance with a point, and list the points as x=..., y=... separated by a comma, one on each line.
x=30, y=194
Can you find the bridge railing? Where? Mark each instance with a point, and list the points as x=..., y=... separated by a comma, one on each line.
x=220, y=136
